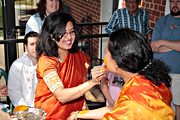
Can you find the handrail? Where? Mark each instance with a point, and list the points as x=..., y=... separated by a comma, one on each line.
x=79, y=24
x=93, y=36
x=85, y=38
x=80, y=37
x=11, y=41
x=92, y=23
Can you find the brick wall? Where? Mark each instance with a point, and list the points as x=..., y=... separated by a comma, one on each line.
x=91, y=8
x=82, y=8
x=156, y=9
x=88, y=10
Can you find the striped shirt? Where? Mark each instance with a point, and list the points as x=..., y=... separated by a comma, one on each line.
x=123, y=18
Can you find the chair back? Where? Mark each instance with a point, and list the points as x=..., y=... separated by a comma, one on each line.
x=4, y=81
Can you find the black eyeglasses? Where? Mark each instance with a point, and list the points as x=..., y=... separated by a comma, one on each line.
x=65, y=34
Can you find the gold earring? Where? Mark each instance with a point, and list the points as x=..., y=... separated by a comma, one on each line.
x=117, y=67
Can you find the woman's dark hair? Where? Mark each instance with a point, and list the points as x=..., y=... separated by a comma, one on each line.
x=30, y=34
x=54, y=25
x=42, y=8
x=133, y=53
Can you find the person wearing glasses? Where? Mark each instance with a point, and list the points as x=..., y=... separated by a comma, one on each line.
x=166, y=45
x=146, y=93
x=45, y=7
x=62, y=68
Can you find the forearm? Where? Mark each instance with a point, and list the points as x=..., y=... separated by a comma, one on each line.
x=105, y=90
x=175, y=45
x=163, y=49
x=68, y=94
x=94, y=114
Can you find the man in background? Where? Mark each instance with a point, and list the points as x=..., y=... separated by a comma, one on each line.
x=22, y=78
x=166, y=45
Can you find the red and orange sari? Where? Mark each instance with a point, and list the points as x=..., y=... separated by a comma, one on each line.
x=72, y=72
x=140, y=99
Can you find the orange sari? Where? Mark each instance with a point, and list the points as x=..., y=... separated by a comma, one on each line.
x=140, y=99
x=72, y=72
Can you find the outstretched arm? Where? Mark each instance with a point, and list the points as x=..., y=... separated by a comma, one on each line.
x=105, y=90
x=91, y=114
x=75, y=92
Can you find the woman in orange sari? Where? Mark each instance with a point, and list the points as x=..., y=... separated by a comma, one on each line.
x=145, y=94
x=62, y=69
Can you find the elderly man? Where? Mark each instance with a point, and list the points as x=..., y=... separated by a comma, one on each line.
x=132, y=17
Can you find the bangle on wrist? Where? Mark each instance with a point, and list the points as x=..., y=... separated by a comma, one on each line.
x=76, y=115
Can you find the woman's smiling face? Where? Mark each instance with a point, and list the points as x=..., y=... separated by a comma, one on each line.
x=67, y=38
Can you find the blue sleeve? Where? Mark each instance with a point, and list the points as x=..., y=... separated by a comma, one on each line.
x=147, y=28
x=157, y=31
x=112, y=23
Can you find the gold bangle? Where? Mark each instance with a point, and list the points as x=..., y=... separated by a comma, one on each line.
x=76, y=115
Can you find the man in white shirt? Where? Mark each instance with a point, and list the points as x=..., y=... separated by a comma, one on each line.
x=22, y=78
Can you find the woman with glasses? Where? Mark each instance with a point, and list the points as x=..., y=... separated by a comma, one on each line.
x=62, y=69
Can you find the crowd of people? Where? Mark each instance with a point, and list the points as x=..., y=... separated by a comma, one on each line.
x=138, y=78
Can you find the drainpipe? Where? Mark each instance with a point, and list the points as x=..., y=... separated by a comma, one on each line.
x=9, y=32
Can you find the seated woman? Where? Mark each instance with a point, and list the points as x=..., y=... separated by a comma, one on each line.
x=145, y=94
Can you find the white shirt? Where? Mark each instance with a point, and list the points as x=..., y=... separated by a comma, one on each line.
x=22, y=82
x=34, y=24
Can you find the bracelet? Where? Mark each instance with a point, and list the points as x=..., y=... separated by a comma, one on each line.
x=76, y=115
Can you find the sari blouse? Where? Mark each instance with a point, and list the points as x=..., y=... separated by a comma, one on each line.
x=72, y=72
x=140, y=99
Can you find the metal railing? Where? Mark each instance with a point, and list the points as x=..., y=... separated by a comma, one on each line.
x=88, y=32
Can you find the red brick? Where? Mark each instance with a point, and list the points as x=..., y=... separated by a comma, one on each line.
x=156, y=13
x=80, y=8
x=157, y=1
x=161, y=8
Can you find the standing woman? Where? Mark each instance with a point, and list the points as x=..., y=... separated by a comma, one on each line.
x=62, y=69
x=45, y=7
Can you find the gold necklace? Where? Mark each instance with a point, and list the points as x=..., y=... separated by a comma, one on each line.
x=60, y=59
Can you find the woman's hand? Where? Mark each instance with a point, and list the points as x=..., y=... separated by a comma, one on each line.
x=98, y=73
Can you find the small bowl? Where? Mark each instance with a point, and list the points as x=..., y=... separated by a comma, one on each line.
x=31, y=114
x=38, y=114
